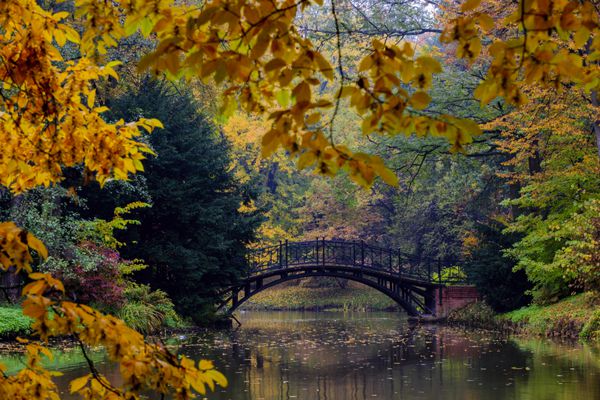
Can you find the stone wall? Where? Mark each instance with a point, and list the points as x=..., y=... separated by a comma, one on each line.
x=454, y=297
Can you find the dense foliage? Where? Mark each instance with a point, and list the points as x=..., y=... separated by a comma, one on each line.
x=82, y=253
x=493, y=272
x=332, y=85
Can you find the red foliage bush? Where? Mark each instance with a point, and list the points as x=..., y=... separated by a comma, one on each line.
x=101, y=283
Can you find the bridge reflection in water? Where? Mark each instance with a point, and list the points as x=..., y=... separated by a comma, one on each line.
x=416, y=284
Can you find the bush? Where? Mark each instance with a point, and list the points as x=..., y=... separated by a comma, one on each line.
x=479, y=315
x=13, y=322
x=83, y=253
x=591, y=329
x=148, y=310
x=92, y=275
x=493, y=273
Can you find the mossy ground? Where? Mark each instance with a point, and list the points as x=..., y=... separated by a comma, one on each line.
x=329, y=298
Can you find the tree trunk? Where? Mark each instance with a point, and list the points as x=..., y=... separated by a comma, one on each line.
x=514, y=192
x=535, y=163
x=272, y=177
x=10, y=284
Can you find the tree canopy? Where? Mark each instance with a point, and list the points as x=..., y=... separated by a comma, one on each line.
x=265, y=60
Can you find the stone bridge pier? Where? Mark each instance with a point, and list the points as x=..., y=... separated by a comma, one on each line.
x=443, y=300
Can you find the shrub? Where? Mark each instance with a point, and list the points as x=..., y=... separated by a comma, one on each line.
x=13, y=322
x=451, y=275
x=478, y=314
x=591, y=329
x=565, y=318
x=148, y=310
x=91, y=275
x=492, y=272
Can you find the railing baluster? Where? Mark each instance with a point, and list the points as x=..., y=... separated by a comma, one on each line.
x=324, y=249
x=317, y=252
x=280, y=254
x=322, y=252
x=362, y=253
x=399, y=264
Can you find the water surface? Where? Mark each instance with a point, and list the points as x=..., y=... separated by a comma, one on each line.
x=351, y=356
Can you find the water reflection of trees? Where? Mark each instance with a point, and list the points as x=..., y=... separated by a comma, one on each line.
x=353, y=362
x=353, y=359
x=350, y=358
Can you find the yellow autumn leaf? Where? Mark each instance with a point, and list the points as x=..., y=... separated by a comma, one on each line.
x=197, y=385
x=485, y=22
x=486, y=91
x=218, y=377
x=275, y=64
x=36, y=276
x=91, y=98
x=301, y=93
x=35, y=288
x=79, y=383
x=420, y=100
x=469, y=5
x=387, y=175
x=60, y=37
x=313, y=118
x=306, y=159
x=581, y=36
x=429, y=65
x=37, y=245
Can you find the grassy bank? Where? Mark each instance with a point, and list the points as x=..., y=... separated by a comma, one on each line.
x=13, y=323
x=575, y=317
x=302, y=298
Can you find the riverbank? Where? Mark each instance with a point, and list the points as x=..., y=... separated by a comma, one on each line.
x=14, y=324
x=296, y=298
x=575, y=317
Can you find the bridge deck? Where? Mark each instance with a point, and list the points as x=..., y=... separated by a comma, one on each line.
x=341, y=253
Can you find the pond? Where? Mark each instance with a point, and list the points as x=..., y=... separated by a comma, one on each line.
x=347, y=356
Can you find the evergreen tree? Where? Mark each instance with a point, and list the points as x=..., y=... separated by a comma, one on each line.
x=193, y=237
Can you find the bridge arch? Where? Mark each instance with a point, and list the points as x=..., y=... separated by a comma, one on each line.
x=411, y=296
x=406, y=306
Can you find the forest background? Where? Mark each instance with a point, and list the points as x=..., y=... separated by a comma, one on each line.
x=515, y=203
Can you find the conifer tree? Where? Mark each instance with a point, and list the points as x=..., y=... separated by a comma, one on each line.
x=193, y=237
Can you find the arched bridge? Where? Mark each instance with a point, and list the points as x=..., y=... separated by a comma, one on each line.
x=415, y=284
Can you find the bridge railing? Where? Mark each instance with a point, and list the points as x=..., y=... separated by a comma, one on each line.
x=324, y=253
